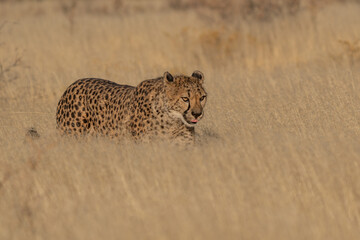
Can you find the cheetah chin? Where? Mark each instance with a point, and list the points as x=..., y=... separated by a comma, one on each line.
x=181, y=117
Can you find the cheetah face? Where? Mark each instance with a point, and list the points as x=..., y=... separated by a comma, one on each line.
x=186, y=97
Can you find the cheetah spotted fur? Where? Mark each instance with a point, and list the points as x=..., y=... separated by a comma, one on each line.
x=167, y=107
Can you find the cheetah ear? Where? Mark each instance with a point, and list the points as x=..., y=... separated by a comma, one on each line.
x=168, y=77
x=199, y=75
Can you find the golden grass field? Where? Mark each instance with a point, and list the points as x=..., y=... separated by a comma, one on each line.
x=278, y=151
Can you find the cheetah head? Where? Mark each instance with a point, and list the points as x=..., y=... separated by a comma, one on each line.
x=185, y=97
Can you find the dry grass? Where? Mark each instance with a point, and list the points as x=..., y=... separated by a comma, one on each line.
x=279, y=151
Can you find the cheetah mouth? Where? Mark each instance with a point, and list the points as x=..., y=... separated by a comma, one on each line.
x=182, y=117
x=192, y=122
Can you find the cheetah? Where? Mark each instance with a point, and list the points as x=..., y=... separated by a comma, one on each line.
x=165, y=108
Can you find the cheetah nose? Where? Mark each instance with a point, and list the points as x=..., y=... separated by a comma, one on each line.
x=196, y=114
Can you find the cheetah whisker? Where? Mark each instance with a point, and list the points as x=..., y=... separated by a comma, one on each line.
x=181, y=117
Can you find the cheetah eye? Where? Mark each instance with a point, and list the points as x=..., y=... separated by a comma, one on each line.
x=202, y=98
x=185, y=99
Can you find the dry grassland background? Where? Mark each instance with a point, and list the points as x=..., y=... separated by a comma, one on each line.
x=278, y=151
